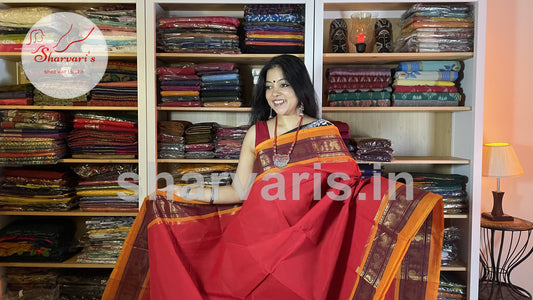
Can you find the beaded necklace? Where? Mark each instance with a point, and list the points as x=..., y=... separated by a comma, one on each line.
x=281, y=160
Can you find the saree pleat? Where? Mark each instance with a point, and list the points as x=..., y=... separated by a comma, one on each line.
x=306, y=238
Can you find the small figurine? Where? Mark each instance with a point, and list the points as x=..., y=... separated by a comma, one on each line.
x=383, y=34
x=338, y=35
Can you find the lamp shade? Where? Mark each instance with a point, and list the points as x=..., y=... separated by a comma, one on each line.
x=500, y=160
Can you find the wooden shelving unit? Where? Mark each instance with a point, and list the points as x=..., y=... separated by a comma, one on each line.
x=438, y=139
x=11, y=59
x=69, y=213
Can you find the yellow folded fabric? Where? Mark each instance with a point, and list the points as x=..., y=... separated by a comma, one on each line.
x=180, y=93
x=411, y=82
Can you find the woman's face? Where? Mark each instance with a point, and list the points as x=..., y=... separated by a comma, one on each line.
x=279, y=93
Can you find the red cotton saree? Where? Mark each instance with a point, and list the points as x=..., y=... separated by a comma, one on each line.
x=304, y=244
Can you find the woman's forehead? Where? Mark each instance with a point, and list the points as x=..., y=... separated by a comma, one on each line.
x=275, y=74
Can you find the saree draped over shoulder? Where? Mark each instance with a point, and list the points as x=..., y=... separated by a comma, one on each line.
x=311, y=230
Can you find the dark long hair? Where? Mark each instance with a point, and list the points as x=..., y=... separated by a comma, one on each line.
x=296, y=74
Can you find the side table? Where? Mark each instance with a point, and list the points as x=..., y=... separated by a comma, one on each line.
x=504, y=245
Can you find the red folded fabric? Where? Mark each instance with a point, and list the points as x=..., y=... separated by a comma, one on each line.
x=16, y=101
x=184, y=70
x=29, y=173
x=103, y=127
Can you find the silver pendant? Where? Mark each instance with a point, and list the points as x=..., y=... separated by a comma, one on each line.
x=281, y=160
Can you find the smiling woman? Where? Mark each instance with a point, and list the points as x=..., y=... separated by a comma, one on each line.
x=308, y=228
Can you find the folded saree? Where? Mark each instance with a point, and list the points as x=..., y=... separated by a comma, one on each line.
x=413, y=82
x=425, y=102
x=428, y=75
x=430, y=65
x=252, y=9
x=332, y=243
x=426, y=96
x=424, y=89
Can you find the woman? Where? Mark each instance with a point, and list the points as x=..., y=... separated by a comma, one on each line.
x=304, y=229
x=284, y=101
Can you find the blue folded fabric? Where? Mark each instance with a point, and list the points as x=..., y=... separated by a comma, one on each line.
x=220, y=77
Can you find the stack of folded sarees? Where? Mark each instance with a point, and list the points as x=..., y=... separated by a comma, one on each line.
x=120, y=71
x=199, y=140
x=220, y=84
x=450, y=246
x=118, y=24
x=81, y=284
x=107, y=187
x=37, y=188
x=206, y=175
x=103, y=135
x=19, y=94
x=452, y=187
x=103, y=240
x=33, y=283
x=40, y=98
x=171, y=143
x=348, y=86
x=38, y=240
x=274, y=28
x=179, y=85
x=428, y=27
x=373, y=149
x=451, y=287
x=228, y=142
x=118, y=86
x=198, y=35
x=427, y=83
x=15, y=23
x=114, y=93
x=32, y=137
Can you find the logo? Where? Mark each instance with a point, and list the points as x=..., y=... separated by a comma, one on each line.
x=64, y=55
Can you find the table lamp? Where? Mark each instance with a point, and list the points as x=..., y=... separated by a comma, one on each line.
x=499, y=160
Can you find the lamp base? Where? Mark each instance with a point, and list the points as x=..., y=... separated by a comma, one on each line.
x=489, y=216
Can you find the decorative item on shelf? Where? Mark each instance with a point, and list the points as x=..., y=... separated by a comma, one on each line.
x=360, y=30
x=338, y=32
x=383, y=34
x=499, y=160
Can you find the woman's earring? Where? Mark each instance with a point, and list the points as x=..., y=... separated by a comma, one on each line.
x=270, y=116
x=301, y=109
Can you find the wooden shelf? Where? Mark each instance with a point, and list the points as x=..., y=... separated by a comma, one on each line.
x=411, y=160
x=69, y=263
x=459, y=267
x=56, y=107
x=422, y=160
x=198, y=161
x=206, y=109
x=382, y=58
x=248, y=59
x=15, y=56
x=456, y=216
x=70, y=213
x=329, y=109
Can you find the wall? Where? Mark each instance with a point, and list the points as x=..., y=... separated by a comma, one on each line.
x=508, y=109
